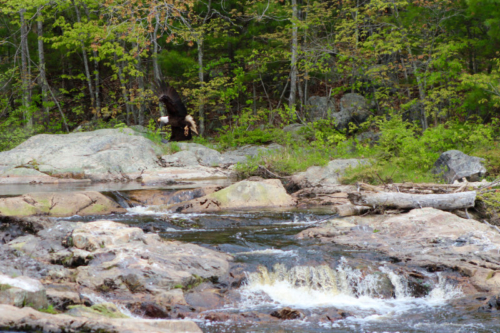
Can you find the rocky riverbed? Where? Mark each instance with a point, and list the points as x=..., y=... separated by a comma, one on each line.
x=177, y=245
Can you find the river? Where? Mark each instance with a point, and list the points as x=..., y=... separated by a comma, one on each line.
x=333, y=288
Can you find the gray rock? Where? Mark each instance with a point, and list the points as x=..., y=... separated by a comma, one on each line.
x=185, y=158
x=429, y=238
x=127, y=260
x=320, y=108
x=194, y=156
x=455, y=165
x=99, y=155
x=19, y=319
x=58, y=204
x=22, y=291
x=293, y=128
x=241, y=154
x=244, y=194
x=325, y=176
x=353, y=108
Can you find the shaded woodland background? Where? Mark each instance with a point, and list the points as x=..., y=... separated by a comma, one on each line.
x=244, y=65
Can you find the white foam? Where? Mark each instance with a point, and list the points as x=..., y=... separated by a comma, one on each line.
x=21, y=282
x=159, y=211
x=307, y=287
x=271, y=251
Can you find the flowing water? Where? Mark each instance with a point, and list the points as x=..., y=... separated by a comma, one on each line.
x=360, y=291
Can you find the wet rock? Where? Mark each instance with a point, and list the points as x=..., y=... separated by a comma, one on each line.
x=12, y=227
x=287, y=313
x=426, y=237
x=244, y=194
x=325, y=176
x=455, y=165
x=104, y=154
x=167, y=197
x=320, y=107
x=58, y=204
x=22, y=291
x=108, y=310
x=208, y=299
x=61, y=297
x=19, y=319
x=141, y=262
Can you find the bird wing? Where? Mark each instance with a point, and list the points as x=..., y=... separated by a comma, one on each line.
x=171, y=99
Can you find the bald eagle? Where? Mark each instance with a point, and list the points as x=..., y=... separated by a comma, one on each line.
x=183, y=125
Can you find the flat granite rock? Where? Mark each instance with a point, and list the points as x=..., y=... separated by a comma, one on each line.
x=13, y=318
x=427, y=237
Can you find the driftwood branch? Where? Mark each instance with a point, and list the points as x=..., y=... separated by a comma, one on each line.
x=449, y=201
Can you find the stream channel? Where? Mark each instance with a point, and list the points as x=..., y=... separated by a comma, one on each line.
x=335, y=288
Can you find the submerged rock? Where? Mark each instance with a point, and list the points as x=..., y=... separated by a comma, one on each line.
x=287, y=313
x=58, y=204
x=244, y=194
x=13, y=318
x=455, y=165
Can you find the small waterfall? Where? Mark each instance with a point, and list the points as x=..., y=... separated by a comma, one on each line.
x=343, y=287
x=399, y=282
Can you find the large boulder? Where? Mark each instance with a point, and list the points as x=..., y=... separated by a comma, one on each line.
x=324, y=176
x=242, y=195
x=13, y=318
x=22, y=291
x=320, y=107
x=113, y=257
x=105, y=154
x=193, y=154
x=58, y=204
x=353, y=109
x=425, y=237
x=455, y=165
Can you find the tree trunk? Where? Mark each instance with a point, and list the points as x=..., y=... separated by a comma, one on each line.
x=156, y=67
x=293, y=73
x=201, y=106
x=408, y=201
x=43, y=76
x=85, y=59
x=96, y=73
x=140, y=81
x=25, y=79
x=123, y=87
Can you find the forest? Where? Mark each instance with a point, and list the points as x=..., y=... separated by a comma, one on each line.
x=428, y=69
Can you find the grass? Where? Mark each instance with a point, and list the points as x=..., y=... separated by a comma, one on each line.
x=284, y=162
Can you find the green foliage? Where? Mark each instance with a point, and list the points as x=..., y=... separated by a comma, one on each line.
x=404, y=153
x=284, y=162
x=50, y=309
x=240, y=136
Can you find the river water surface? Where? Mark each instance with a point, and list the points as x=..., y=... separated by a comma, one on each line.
x=312, y=277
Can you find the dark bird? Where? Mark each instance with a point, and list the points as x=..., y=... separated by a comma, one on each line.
x=183, y=125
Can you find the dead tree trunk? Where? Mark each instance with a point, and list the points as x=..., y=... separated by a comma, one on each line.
x=408, y=201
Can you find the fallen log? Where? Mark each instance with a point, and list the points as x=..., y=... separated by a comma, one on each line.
x=449, y=201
